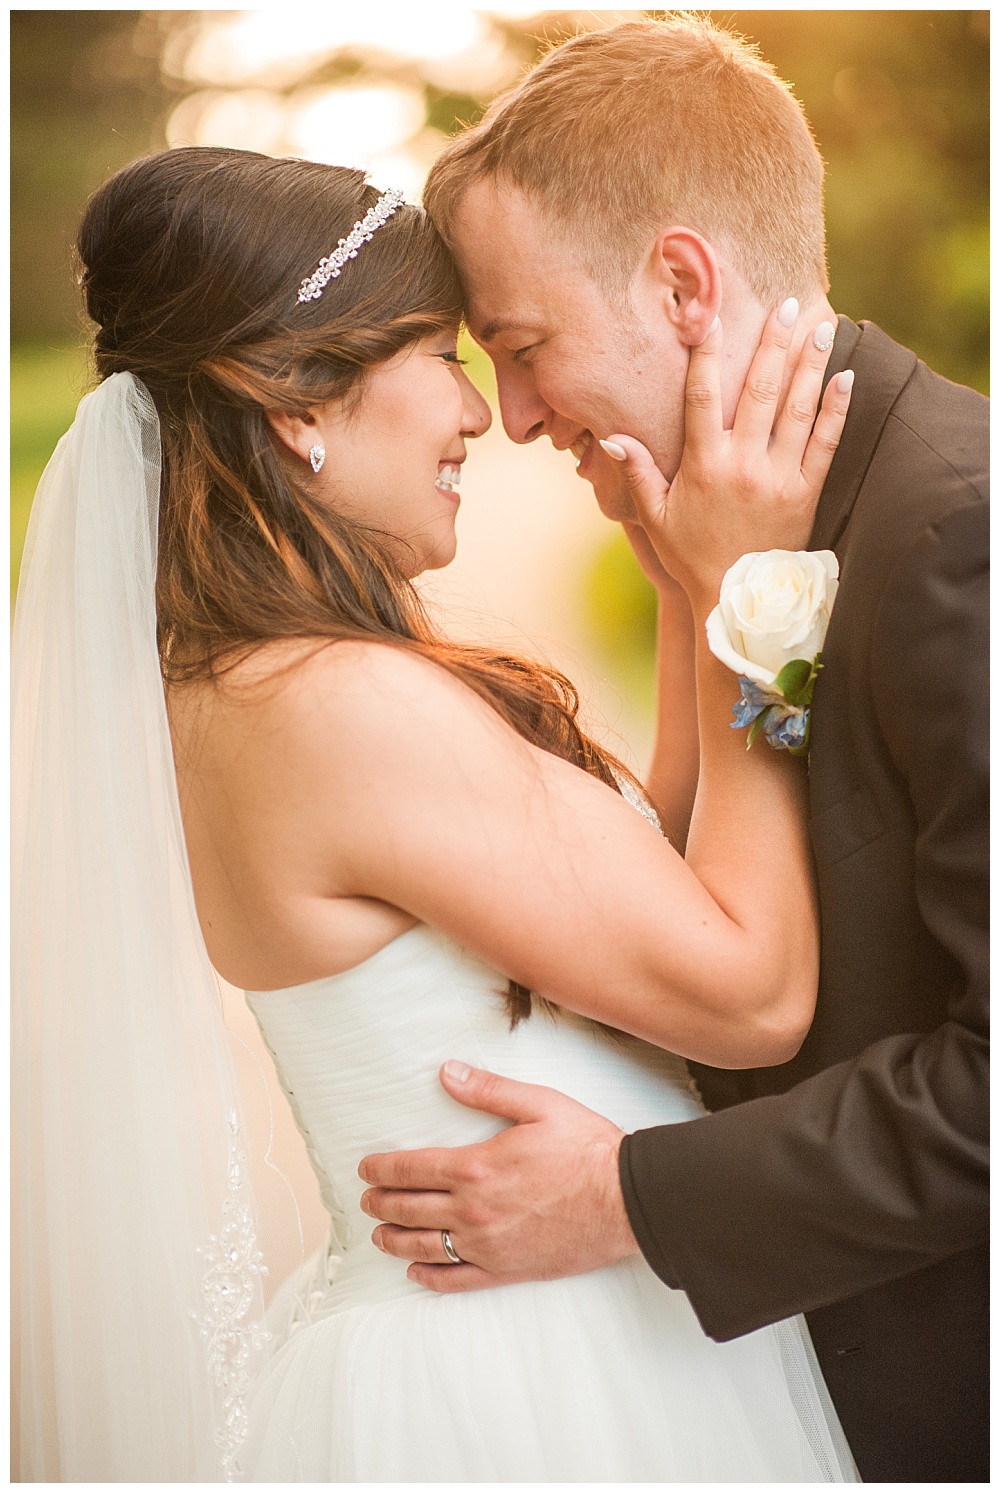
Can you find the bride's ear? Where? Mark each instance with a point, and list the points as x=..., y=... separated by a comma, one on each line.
x=686, y=273
x=297, y=432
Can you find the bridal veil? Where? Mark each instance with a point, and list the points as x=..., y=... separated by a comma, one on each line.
x=139, y=1290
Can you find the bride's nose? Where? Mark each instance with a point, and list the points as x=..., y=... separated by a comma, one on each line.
x=476, y=416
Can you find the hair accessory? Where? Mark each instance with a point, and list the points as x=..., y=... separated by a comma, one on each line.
x=329, y=268
x=317, y=456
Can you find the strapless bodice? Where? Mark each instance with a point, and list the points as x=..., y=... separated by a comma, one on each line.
x=603, y=1377
x=358, y=1055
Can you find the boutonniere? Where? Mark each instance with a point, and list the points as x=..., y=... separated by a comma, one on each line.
x=769, y=628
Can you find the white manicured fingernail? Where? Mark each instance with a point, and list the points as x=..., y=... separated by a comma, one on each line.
x=716, y=324
x=788, y=312
x=616, y=452
x=460, y=1072
x=845, y=381
x=823, y=336
x=377, y=1240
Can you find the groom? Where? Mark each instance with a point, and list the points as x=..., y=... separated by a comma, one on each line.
x=640, y=181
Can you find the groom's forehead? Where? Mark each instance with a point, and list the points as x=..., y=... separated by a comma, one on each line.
x=516, y=271
x=504, y=241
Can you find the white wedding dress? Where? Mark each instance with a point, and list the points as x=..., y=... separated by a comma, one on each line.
x=597, y=1378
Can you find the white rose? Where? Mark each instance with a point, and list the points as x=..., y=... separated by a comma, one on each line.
x=773, y=607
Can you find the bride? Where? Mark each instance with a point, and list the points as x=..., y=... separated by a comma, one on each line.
x=403, y=849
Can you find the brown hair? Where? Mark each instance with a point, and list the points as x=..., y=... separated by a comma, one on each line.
x=191, y=263
x=618, y=133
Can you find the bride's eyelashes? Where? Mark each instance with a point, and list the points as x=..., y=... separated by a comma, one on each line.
x=452, y=357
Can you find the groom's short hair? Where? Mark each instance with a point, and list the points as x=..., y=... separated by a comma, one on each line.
x=618, y=133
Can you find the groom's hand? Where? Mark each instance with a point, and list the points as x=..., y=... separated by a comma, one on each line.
x=540, y=1199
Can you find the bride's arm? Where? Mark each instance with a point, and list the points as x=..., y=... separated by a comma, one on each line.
x=427, y=800
x=672, y=778
x=424, y=798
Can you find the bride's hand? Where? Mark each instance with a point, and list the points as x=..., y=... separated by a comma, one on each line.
x=754, y=487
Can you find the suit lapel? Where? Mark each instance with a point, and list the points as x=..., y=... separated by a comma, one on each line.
x=883, y=368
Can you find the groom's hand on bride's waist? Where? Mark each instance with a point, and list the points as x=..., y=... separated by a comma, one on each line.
x=540, y=1199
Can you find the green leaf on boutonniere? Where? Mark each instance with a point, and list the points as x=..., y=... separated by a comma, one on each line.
x=756, y=728
x=796, y=680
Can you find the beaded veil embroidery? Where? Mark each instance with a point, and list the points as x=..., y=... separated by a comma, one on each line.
x=233, y=1268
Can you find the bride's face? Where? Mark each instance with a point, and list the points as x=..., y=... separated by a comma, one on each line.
x=394, y=450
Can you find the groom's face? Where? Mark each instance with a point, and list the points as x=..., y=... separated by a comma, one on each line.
x=571, y=363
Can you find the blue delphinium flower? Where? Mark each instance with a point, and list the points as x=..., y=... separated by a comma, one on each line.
x=787, y=728
x=754, y=698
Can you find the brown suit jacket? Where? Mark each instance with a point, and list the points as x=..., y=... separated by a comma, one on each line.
x=850, y=1183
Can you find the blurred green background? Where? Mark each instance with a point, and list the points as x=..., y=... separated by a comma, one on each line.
x=898, y=101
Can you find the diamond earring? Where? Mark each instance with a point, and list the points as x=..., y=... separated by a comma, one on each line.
x=317, y=456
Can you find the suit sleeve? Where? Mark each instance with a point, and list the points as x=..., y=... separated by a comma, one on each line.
x=876, y=1167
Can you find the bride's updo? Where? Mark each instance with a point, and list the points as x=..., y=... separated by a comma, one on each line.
x=192, y=260
x=191, y=265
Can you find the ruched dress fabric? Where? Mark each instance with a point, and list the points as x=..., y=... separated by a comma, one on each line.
x=596, y=1378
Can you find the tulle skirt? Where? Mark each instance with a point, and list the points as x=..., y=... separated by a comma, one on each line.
x=603, y=1377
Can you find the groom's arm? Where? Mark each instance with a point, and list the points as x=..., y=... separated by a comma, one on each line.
x=876, y=1167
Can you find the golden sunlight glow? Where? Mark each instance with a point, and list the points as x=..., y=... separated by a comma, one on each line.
x=341, y=84
x=278, y=45
x=350, y=126
x=246, y=119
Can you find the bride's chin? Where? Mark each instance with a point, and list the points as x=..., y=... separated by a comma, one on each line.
x=442, y=556
x=436, y=558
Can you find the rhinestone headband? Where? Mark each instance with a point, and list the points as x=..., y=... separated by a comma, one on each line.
x=329, y=268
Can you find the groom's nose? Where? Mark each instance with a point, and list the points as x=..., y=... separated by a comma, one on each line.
x=524, y=412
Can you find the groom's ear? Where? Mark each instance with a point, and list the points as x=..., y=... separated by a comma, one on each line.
x=687, y=280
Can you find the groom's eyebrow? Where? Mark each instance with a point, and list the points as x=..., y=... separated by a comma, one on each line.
x=496, y=326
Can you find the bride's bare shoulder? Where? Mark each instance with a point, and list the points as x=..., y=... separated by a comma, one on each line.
x=326, y=685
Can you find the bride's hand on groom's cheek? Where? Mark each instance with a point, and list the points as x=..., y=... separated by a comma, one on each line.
x=611, y=486
x=539, y=1200
x=754, y=487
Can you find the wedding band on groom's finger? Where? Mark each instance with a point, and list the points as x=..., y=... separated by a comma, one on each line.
x=452, y=1253
x=422, y=1246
